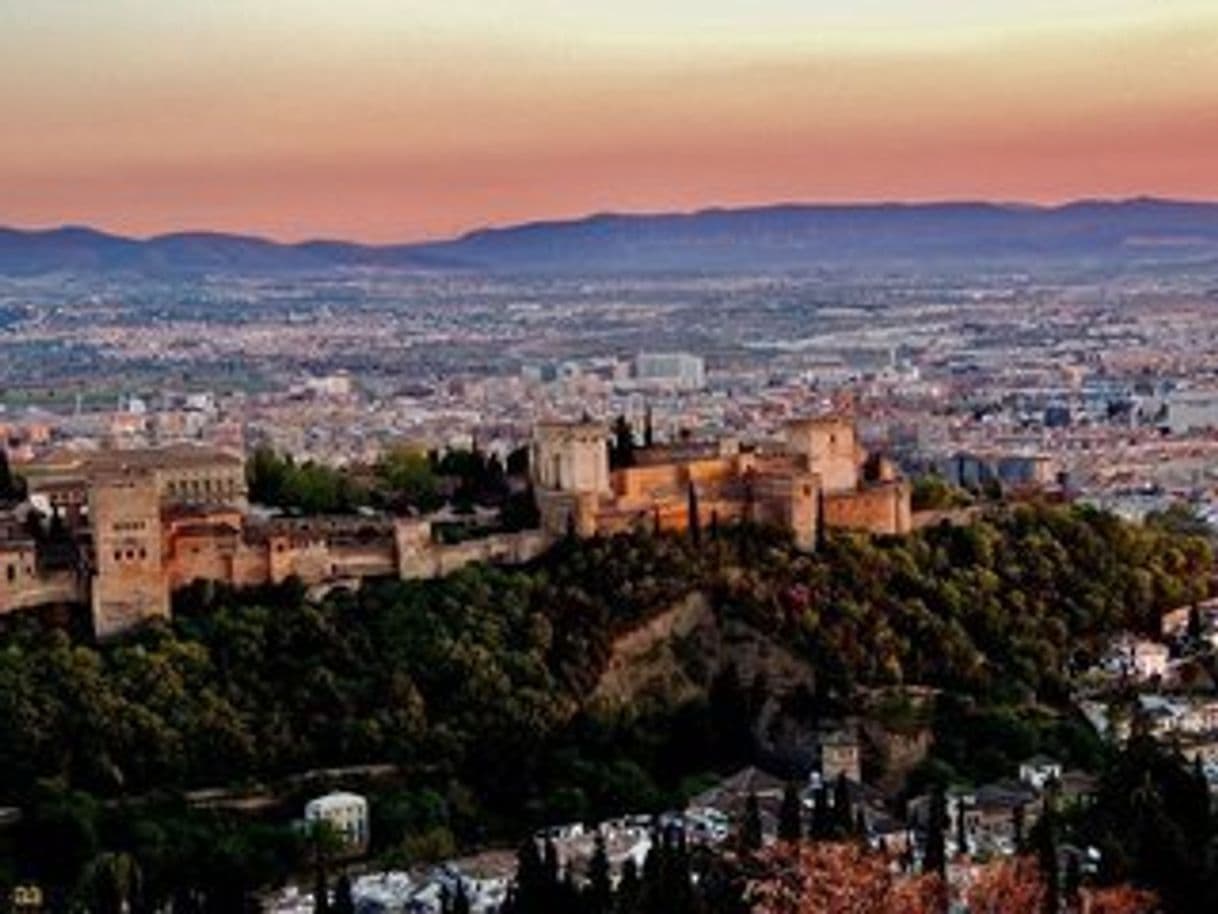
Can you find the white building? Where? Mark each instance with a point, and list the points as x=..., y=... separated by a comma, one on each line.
x=675, y=369
x=1040, y=770
x=1137, y=658
x=1192, y=410
x=346, y=813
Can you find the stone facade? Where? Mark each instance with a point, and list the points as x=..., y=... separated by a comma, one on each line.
x=147, y=523
x=129, y=582
x=819, y=476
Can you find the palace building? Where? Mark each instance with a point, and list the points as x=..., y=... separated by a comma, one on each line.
x=131, y=527
x=819, y=475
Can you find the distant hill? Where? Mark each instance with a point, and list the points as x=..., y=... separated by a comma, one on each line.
x=789, y=236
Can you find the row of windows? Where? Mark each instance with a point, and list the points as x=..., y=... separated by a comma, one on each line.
x=188, y=487
x=123, y=526
x=130, y=554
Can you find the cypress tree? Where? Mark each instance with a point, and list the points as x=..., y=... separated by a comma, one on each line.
x=530, y=895
x=551, y=874
x=344, y=902
x=1045, y=842
x=628, y=888
x=8, y=487
x=321, y=891
x=1194, y=618
x=934, y=859
x=1073, y=880
x=822, y=816
x=622, y=451
x=790, y=816
x=822, y=536
x=843, y=807
x=695, y=521
x=751, y=834
x=600, y=886
x=961, y=829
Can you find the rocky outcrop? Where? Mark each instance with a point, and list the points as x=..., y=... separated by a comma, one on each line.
x=677, y=655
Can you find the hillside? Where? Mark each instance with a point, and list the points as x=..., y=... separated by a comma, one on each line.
x=782, y=237
x=612, y=676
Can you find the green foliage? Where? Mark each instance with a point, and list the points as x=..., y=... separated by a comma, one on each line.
x=12, y=488
x=408, y=479
x=934, y=493
x=1153, y=823
x=1180, y=519
x=475, y=685
x=310, y=488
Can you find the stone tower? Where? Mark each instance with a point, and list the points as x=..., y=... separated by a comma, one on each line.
x=129, y=580
x=570, y=469
x=829, y=449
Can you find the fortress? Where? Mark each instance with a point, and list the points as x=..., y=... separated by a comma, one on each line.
x=818, y=476
x=133, y=526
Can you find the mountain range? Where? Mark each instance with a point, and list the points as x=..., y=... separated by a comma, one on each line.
x=780, y=237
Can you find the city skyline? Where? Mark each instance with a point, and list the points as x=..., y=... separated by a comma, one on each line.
x=399, y=121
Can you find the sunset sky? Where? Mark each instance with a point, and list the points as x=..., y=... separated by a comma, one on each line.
x=403, y=119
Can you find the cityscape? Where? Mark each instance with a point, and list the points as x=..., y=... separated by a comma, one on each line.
x=588, y=460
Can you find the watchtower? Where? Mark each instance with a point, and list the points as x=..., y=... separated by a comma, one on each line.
x=130, y=584
x=570, y=469
x=827, y=446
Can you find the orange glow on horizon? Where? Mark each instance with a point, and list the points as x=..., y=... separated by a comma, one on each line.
x=318, y=127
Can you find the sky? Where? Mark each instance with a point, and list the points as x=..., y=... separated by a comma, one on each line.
x=396, y=120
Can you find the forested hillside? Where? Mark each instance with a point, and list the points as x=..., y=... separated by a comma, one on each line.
x=476, y=684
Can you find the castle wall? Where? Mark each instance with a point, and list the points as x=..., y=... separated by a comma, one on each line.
x=306, y=558
x=641, y=483
x=420, y=557
x=882, y=508
x=201, y=557
x=23, y=586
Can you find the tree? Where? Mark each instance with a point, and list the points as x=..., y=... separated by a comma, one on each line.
x=790, y=816
x=834, y=878
x=962, y=845
x=11, y=487
x=409, y=479
x=114, y=883
x=1044, y=840
x=1195, y=627
x=1018, y=818
x=1013, y=886
x=324, y=844
x=822, y=815
x=628, y=888
x=750, y=833
x=535, y=879
x=600, y=886
x=695, y=521
x=843, y=807
x=621, y=452
x=934, y=858
x=344, y=902
x=648, y=430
